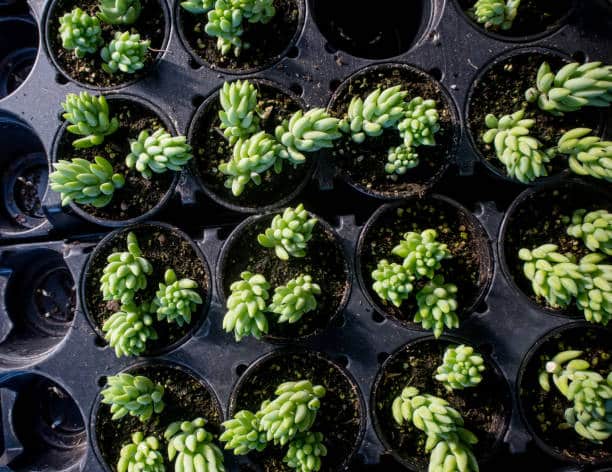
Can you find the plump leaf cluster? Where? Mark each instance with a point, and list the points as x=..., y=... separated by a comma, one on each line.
x=158, y=152
x=141, y=455
x=191, y=447
x=242, y=434
x=292, y=301
x=239, y=115
x=119, y=12
x=176, y=300
x=80, y=32
x=133, y=394
x=392, y=282
x=422, y=253
x=126, y=53
x=401, y=159
x=588, y=155
x=495, y=14
x=198, y=7
x=461, y=368
x=305, y=452
x=419, y=123
x=594, y=228
x=89, y=116
x=289, y=233
x=128, y=330
x=437, y=306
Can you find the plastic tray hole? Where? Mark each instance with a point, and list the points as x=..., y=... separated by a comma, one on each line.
x=293, y=52
x=18, y=49
x=195, y=65
x=579, y=56
x=382, y=357
x=377, y=317
x=436, y=73
x=197, y=100
x=330, y=49
x=101, y=381
x=481, y=308
x=61, y=79
x=342, y=360
x=240, y=369
x=100, y=342
x=486, y=349
x=333, y=85
x=297, y=89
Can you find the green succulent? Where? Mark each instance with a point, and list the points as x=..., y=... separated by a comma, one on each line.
x=422, y=253
x=246, y=306
x=381, y=109
x=495, y=14
x=437, y=306
x=126, y=53
x=119, y=12
x=133, y=394
x=594, y=228
x=400, y=159
x=257, y=11
x=198, y=7
x=305, y=452
x=574, y=86
x=588, y=155
x=242, y=434
x=293, y=411
x=191, y=447
x=238, y=114
x=176, y=300
x=519, y=152
x=461, y=368
x=419, y=124
x=292, y=301
x=307, y=132
x=158, y=152
x=392, y=282
x=141, y=455
x=128, y=330
x=595, y=295
x=89, y=117
x=80, y=33
x=452, y=456
x=289, y=233
x=126, y=273
x=85, y=183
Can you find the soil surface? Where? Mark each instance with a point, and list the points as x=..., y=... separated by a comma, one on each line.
x=484, y=408
x=138, y=195
x=151, y=25
x=163, y=248
x=339, y=418
x=186, y=398
x=324, y=261
x=545, y=411
x=363, y=165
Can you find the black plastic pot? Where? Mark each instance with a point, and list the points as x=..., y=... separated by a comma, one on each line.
x=18, y=50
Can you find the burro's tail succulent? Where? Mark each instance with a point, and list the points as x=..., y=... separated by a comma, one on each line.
x=594, y=228
x=176, y=299
x=293, y=300
x=495, y=14
x=437, y=306
x=305, y=452
x=128, y=330
x=392, y=282
x=452, y=456
x=158, y=152
x=419, y=124
x=401, y=159
x=574, y=86
x=289, y=233
x=191, y=447
x=134, y=394
x=242, y=433
x=142, y=455
x=588, y=154
x=422, y=253
x=246, y=306
x=125, y=53
x=461, y=368
x=89, y=117
x=198, y=7
x=595, y=295
x=238, y=114
x=80, y=32
x=119, y=12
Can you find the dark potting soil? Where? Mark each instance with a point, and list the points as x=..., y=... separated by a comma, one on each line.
x=339, y=418
x=501, y=91
x=211, y=149
x=484, y=408
x=324, y=261
x=468, y=268
x=364, y=164
x=534, y=16
x=186, y=398
x=138, y=195
x=267, y=41
x=151, y=25
x=164, y=249
x=545, y=410
x=542, y=219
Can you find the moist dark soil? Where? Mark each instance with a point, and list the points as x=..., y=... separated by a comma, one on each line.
x=534, y=17
x=211, y=149
x=164, y=249
x=138, y=195
x=501, y=91
x=267, y=41
x=324, y=261
x=363, y=165
x=151, y=25
x=545, y=411
x=186, y=398
x=468, y=268
x=484, y=408
x=542, y=219
x=27, y=192
x=339, y=418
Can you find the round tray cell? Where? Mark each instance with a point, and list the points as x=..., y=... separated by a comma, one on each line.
x=379, y=31
x=42, y=426
x=18, y=48
x=39, y=296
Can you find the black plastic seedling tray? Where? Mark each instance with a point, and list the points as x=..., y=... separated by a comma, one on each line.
x=53, y=362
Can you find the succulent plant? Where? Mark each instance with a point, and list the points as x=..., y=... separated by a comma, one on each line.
x=257, y=11
x=495, y=13
x=381, y=109
x=191, y=447
x=119, y=12
x=289, y=233
x=419, y=124
x=293, y=300
x=126, y=53
x=307, y=132
x=293, y=411
x=176, y=300
x=594, y=228
x=134, y=394
x=452, y=456
x=588, y=155
x=128, y=330
x=126, y=273
x=422, y=253
x=242, y=434
x=305, y=452
x=574, y=86
x=461, y=368
x=519, y=152
x=238, y=114
x=595, y=295
x=198, y=7
x=84, y=182
x=392, y=282
x=141, y=455
x=400, y=159
x=80, y=33
x=158, y=152
x=89, y=117
x=437, y=306
x=246, y=306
